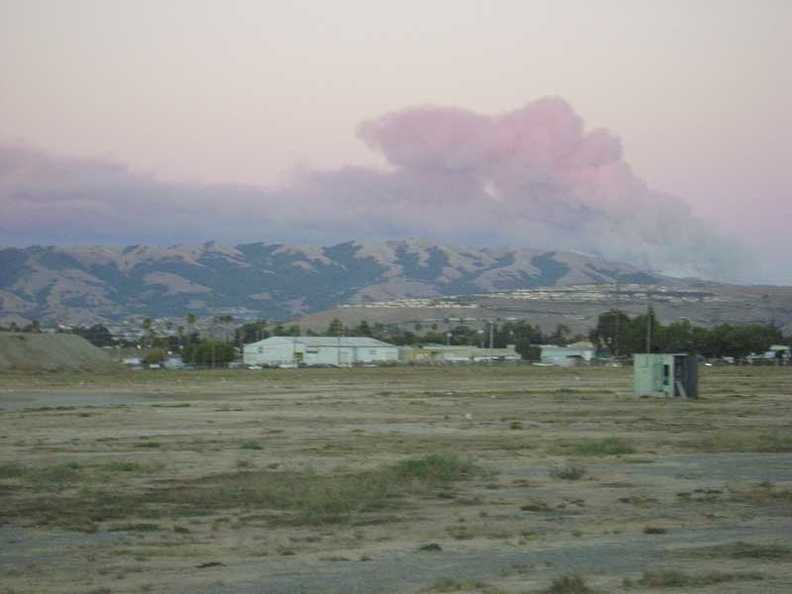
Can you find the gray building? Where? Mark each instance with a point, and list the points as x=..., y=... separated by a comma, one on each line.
x=343, y=351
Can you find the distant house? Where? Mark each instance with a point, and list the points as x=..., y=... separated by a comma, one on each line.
x=173, y=362
x=778, y=353
x=567, y=356
x=289, y=351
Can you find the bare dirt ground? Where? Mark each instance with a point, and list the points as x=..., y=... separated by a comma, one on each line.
x=473, y=479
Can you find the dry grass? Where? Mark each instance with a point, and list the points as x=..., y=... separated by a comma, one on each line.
x=242, y=468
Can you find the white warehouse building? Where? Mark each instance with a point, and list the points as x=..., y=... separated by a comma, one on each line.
x=318, y=350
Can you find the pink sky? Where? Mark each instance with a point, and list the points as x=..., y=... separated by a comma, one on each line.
x=187, y=93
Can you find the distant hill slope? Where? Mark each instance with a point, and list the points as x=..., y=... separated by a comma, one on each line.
x=51, y=352
x=83, y=285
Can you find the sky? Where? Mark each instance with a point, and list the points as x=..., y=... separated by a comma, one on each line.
x=652, y=132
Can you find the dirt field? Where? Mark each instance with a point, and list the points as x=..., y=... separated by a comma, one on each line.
x=471, y=479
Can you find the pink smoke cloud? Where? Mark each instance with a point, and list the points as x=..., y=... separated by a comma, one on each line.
x=530, y=177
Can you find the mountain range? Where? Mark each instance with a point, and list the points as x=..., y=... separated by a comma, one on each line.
x=99, y=284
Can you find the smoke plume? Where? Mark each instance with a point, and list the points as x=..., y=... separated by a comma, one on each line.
x=530, y=177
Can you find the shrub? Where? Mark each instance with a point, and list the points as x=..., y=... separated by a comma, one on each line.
x=568, y=472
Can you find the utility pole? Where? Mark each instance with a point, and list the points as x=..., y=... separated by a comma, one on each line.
x=214, y=320
x=648, y=321
x=491, y=337
x=616, y=322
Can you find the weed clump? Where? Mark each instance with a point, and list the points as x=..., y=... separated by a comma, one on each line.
x=568, y=472
x=762, y=441
x=609, y=446
x=744, y=550
x=311, y=499
x=678, y=579
x=433, y=470
x=453, y=585
x=569, y=584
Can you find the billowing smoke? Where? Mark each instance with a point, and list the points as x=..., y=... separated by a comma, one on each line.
x=531, y=177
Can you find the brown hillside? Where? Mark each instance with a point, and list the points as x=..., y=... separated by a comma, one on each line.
x=51, y=352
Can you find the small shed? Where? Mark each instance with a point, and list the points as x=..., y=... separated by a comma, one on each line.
x=672, y=375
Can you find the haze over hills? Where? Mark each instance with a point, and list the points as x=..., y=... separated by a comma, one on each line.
x=85, y=285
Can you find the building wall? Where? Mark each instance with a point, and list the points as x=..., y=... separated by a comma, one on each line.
x=456, y=354
x=280, y=352
x=665, y=374
x=565, y=356
x=260, y=353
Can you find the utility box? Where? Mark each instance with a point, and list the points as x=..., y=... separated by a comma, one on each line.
x=671, y=375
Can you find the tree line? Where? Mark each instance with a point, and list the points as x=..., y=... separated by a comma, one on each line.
x=616, y=334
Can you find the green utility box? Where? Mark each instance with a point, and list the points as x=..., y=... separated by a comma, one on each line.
x=670, y=375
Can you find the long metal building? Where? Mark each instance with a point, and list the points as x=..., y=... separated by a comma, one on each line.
x=318, y=350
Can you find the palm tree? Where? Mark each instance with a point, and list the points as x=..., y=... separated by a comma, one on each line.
x=147, y=326
x=226, y=321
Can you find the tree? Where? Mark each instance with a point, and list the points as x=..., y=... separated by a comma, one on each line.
x=148, y=327
x=97, y=335
x=154, y=358
x=362, y=329
x=611, y=331
x=637, y=332
x=335, y=328
x=252, y=332
x=561, y=335
x=191, y=318
x=379, y=331
x=677, y=337
x=209, y=352
x=739, y=341
x=433, y=338
x=523, y=336
x=464, y=335
x=226, y=321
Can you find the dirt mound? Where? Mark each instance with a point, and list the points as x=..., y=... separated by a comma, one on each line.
x=51, y=352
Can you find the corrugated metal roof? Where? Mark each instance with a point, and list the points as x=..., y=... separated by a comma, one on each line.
x=325, y=341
